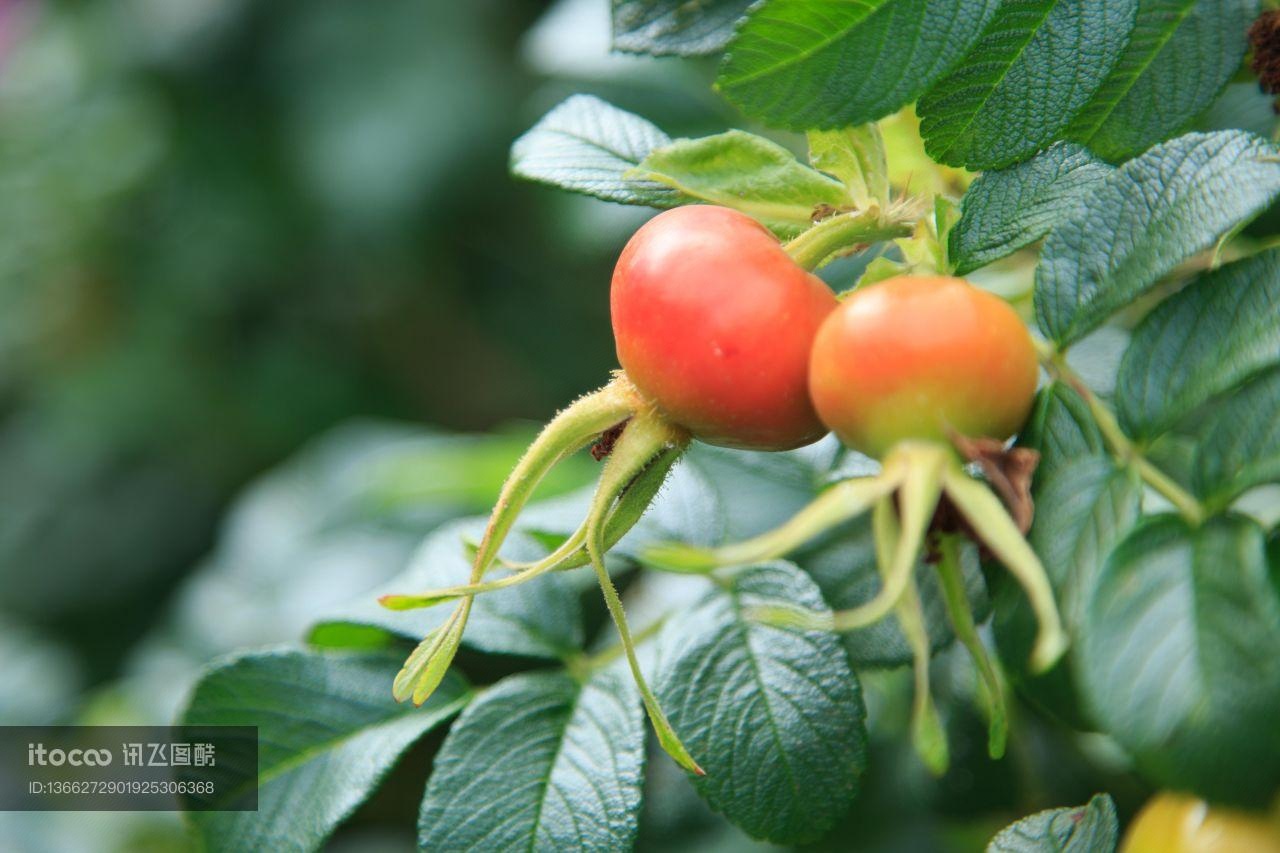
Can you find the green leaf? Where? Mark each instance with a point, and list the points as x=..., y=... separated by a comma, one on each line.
x=804, y=64
x=1084, y=506
x=328, y=731
x=774, y=715
x=675, y=27
x=587, y=146
x=845, y=571
x=1035, y=65
x=748, y=173
x=1200, y=343
x=1012, y=208
x=540, y=762
x=1240, y=446
x=1062, y=429
x=1144, y=219
x=856, y=156
x=1091, y=828
x=1180, y=56
x=542, y=619
x=1180, y=656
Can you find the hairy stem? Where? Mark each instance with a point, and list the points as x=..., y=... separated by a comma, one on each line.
x=644, y=439
x=843, y=232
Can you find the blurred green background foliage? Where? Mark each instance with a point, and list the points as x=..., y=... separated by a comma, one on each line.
x=271, y=309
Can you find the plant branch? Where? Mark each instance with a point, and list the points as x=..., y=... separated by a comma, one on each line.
x=844, y=232
x=1121, y=447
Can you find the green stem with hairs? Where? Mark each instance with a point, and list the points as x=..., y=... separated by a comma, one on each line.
x=646, y=436
x=843, y=232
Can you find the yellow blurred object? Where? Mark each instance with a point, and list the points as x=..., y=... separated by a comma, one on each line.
x=911, y=170
x=1177, y=823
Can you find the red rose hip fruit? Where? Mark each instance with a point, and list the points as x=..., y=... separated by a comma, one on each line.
x=714, y=323
x=919, y=357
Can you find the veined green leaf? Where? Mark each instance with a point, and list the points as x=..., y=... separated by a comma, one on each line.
x=1092, y=828
x=540, y=762
x=774, y=715
x=1239, y=448
x=328, y=731
x=1199, y=343
x=1180, y=56
x=1085, y=504
x=748, y=173
x=587, y=146
x=1012, y=208
x=805, y=64
x=1144, y=219
x=1181, y=656
x=675, y=27
x=1034, y=66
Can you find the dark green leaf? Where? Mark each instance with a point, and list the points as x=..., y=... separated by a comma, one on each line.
x=675, y=27
x=805, y=64
x=1144, y=219
x=1035, y=65
x=328, y=732
x=775, y=716
x=748, y=173
x=1200, y=343
x=1240, y=446
x=1180, y=656
x=1061, y=429
x=1181, y=54
x=587, y=146
x=542, y=619
x=1012, y=208
x=1084, y=506
x=540, y=762
x=1092, y=828
x=845, y=570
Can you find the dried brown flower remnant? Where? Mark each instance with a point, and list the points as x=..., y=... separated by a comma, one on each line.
x=1009, y=472
x=1264, y=38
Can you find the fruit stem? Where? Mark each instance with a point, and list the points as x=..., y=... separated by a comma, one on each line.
x=843, y=232
x=961, y=616
x=646, y=436
x=1122, y=448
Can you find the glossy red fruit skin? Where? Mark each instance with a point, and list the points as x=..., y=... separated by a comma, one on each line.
x=918, y=357
x=713, y=323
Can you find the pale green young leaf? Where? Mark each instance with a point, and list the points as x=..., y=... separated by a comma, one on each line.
x=748, y=173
